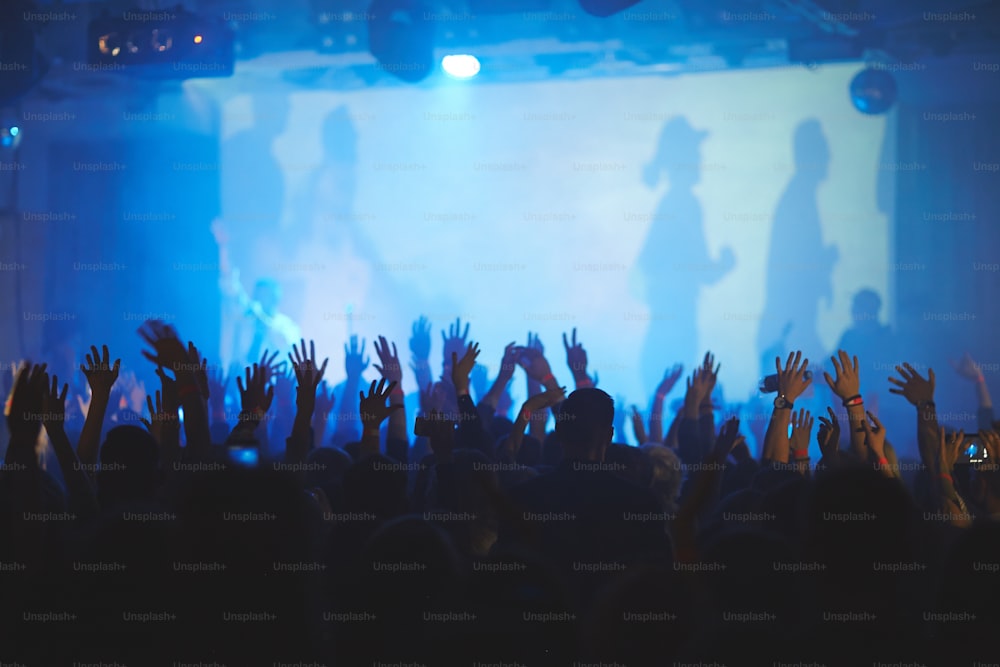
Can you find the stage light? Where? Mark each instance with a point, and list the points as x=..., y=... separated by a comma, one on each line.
x=461, y=66
x=873, y=91
x=161, y=44
x=10, y=136
x=401, y=37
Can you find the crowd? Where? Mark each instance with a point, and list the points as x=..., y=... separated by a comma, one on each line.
x=191, y=534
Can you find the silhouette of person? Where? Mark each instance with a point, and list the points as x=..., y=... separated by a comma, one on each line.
x=800, y=264
x=674, y=263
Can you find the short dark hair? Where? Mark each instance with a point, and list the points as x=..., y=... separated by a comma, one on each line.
x=584, y=414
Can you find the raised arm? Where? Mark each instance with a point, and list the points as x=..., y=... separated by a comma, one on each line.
x=792, y=382
x=101, y=375
x=374, y=411
x=82, y=499
x=802, y=424
x=307, y=376
x=656, y=416
x=397, y=442
x=189, y=372
x=355, y=363
x=847, y=387
x=537, y=403
x=420, y=350
x=828, y=439
x=507, y=365
x=576, y=359
x=920, y=394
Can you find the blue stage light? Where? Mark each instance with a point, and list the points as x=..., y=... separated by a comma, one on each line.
x=460, y=66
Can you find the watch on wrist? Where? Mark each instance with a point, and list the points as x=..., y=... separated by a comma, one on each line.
x=780, y=403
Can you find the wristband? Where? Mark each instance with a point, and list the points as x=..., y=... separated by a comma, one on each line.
x=853, y=400
x=947, y=477
x=799, y=454
x=981, y=379
x=526, y=414
x=548, y=377
x=188, y=389
x=582, y=384
x=883, y=462
x=372, y=430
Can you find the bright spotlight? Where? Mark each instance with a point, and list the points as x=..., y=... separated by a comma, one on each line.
x=460, y=66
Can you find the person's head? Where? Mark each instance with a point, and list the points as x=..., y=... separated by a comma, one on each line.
x=678, y=153
x=586, y=424
x=865, y=307
x=268, y=293
x=130, y=465
x=812, y=153
x=667, y=473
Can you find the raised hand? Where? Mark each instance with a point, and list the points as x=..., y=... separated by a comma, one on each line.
x=802, y=424
x=711, y=374
x=535, y=343
x=828, y=435
x=545, y=399
x=256, y=395
x=308, y=374
x=669, y=380
x=26, y=404
x=454, y=342
x=699, y=386
x=729, y=434
x=968, y=368
x=535, y=365
x=101, y=374
x=991, y=441
x=847, y=384
x=199, y=370
x=420, y=340
x=576, y=359
x=390, y=368
x=158, y=417
x=638, y=426
x=168, y=351
x=374, y=409
x=913, y=387
x=875, y=437
x=355, y=361
x=508, y=363
x=325, y=401
x=462, y=368
x=54, y=405
x=791, y=378
x=949, y=448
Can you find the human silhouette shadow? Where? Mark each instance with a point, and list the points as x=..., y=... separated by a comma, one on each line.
x=799, y=263
x=675, y=263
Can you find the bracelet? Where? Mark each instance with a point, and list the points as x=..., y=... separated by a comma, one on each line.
x=883, y=462
x=798, y=454
x=526, y=414
x=947, y=477
x=981, y=379
x=853, y=400
x=548, y=377
x=582, y=384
